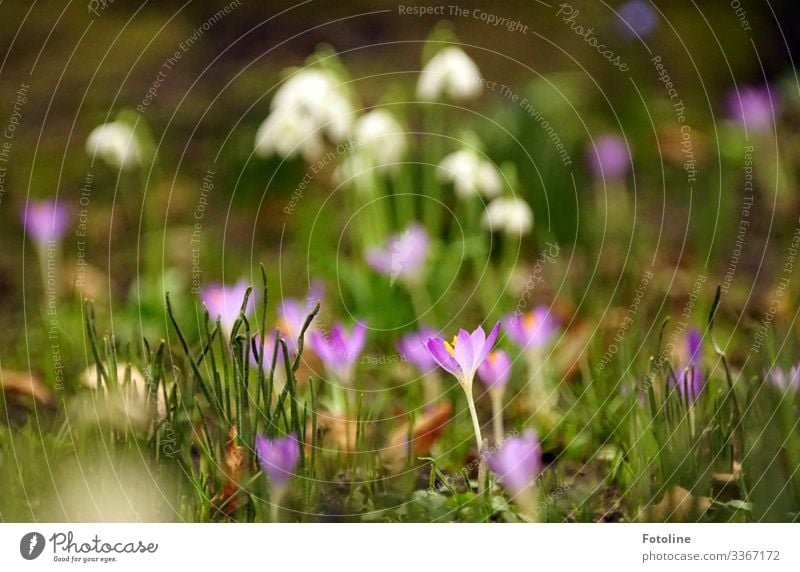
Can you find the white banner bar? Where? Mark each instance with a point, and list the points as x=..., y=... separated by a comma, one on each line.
x=370, y=547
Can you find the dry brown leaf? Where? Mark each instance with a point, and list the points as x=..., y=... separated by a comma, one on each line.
x=678, y=504
x=572, y=349
x=334, y=432
x=672, y=138
x=426, y=431
x=235, y=461
x=728, y=478
x=25, y=384
x=235, y=457
x=725, y=485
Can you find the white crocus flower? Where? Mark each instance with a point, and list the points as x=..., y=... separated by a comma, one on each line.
x=452, y=73
x=510, y=215
x=380, y=137
x=470, y=174
x=307, y=107
x=115, y=143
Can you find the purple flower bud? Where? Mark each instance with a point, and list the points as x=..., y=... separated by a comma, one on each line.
x=754, y=108
x=462, y=357
x=402, y=255
x=340, y=349
x=518, y=462
x=690, y=376
x=278, y=457
x=784, y=381
x=45, y=220
x=534, y=329
x=412, y=347
x=224, y=302
x=637, y=18
x=609, y=157
x=496, y=370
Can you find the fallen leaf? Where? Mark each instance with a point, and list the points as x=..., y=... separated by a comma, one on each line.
x=724, y=479
x=426, y=431
x=25, y=384
x=235, y=460
x=334, y=432
x=725, y=486
x=678, y=504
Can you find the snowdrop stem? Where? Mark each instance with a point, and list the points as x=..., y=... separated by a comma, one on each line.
x=509, y=252
x=365, y=186
x=431, y=209
x=404, y=196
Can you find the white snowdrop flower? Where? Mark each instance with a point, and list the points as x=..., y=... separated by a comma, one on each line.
x=352, y=167
x=470, y=174
x=510, y=215
x=115, y=143
x=137, y=391
x=307, y=107
x=452, y=73
x=380, y=137
x=287, y=133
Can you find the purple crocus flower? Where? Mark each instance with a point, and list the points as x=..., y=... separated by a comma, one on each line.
x=292, y=317
x=278, y=457
x=267, y=347
x=786, y=381
x=412, y=347
x=496, y=370
x=224, y=302
x=690, y=376
x=465, y=354
x=609, y=157
x=340, y=350
x=637, y=18
x=45, y=221
x=401, y=255
x=531, y=330
x=315, y=294
x=753, y=107
x=518, y=462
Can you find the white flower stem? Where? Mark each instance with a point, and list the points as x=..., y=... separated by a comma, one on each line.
x=276, y=498
x=496, y=398
x=476, y=426
x=528, y=502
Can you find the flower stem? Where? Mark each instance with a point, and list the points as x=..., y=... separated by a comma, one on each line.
x=476, y=426
x=497, y=416
x=275, y=500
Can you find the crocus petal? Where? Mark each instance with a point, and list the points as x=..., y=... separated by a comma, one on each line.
x=356, y=343
x=489, y=343
x=439, y=352
x=464, y=353
x=518, y=462
x=320, y=346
